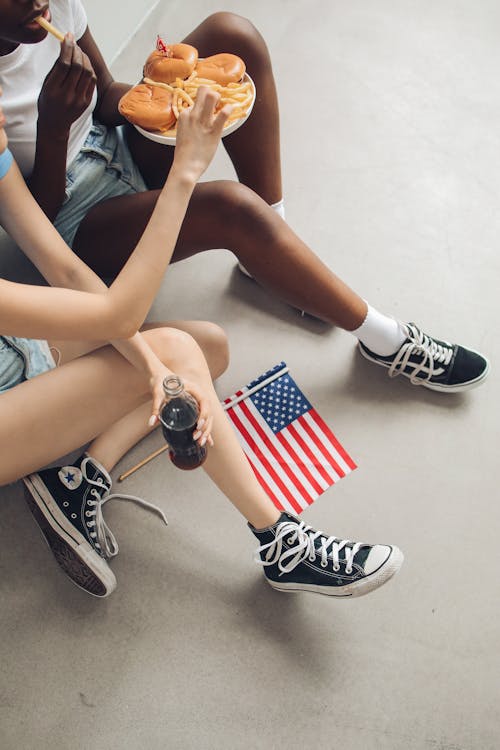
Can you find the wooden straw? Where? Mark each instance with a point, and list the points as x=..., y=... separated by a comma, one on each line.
x=142, y=463
x=51, y=29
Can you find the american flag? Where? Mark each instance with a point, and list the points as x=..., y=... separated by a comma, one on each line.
x=294, y=454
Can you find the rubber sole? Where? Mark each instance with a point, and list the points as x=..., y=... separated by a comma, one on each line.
x=75, y=556
x=435, y=386
x=358, y=588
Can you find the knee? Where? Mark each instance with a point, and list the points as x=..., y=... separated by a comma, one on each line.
x=233, y=33
x=237, y=206
x=175, y=348
x=216, y=349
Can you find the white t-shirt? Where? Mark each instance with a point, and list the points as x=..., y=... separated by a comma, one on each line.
x=22, y=74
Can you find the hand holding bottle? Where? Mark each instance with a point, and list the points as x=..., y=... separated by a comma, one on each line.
x=185, y=424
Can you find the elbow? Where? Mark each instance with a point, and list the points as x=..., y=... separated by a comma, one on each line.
x=121, y=329
x=119, y=319
x=120, y=326
x=127, y=330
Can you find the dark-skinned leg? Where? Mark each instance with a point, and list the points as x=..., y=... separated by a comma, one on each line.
x=229, y=215
x=254, y=149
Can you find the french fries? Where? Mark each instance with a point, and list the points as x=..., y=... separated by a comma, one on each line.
x=240, y=95
x=50, y=28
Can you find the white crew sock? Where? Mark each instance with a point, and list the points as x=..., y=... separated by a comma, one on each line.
x=380, y=333
x=279, y=207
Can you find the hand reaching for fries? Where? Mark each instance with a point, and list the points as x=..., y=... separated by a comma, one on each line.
x=199, y=129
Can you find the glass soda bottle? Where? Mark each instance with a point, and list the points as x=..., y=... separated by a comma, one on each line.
x=178, y=418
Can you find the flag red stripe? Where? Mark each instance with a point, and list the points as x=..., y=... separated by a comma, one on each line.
x=257, y=427
x=298, y=462
x=252, y=444
x=319, y=468
x=321, y=447
x=327, y=431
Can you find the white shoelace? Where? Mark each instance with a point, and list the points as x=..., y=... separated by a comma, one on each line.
x=303, y=538
x=104, y=535
x=432, y=353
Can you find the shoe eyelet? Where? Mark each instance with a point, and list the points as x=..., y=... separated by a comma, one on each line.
x=312, y=558
x=324, y=563
x=290, y=540
x=73, y=515
x=336, y=568
x=348, y=571
x=65, y=504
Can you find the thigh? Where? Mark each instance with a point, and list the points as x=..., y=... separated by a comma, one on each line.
x=214, y=219
x=153, y=159
x=59, y=411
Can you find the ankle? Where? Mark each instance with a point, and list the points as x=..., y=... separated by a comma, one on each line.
x=380, y=333
x=263, y=520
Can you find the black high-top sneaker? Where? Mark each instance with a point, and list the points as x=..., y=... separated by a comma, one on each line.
x=298, y=558
x=66, y=502
x=435, y=364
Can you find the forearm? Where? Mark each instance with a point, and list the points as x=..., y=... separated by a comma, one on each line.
x=142, y=275
x=106, y=110
x=48, y=179
x=80, y=277
x=132, y=293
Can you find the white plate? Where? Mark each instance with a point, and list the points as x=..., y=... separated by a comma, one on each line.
x=169, y=140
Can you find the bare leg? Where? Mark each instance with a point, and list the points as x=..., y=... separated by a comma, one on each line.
x=115, y=441
x=97, y=390
x=255, y=148
x=229, y=215
x=100, y=393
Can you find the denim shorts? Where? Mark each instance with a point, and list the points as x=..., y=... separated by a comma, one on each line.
x=103, y=169
x=21, y=359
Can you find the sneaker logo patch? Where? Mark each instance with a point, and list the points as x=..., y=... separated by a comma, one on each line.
x=71, y=477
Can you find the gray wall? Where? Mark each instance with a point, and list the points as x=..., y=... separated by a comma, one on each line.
x=129, y=15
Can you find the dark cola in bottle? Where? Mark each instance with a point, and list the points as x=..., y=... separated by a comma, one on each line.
x=178, y=418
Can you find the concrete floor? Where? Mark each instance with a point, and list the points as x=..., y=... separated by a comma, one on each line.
x=392, y=173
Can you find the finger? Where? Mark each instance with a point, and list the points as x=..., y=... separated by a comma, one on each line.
x=77, y=55
x=206, y=105
x=158, y=398
x=204, y=407
x=207, y=429
x=89, y=90
x=66, y=53
x=76, y=70
x=199, y=428
x=88, y=78
x=62, y=65
x=222, y=115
